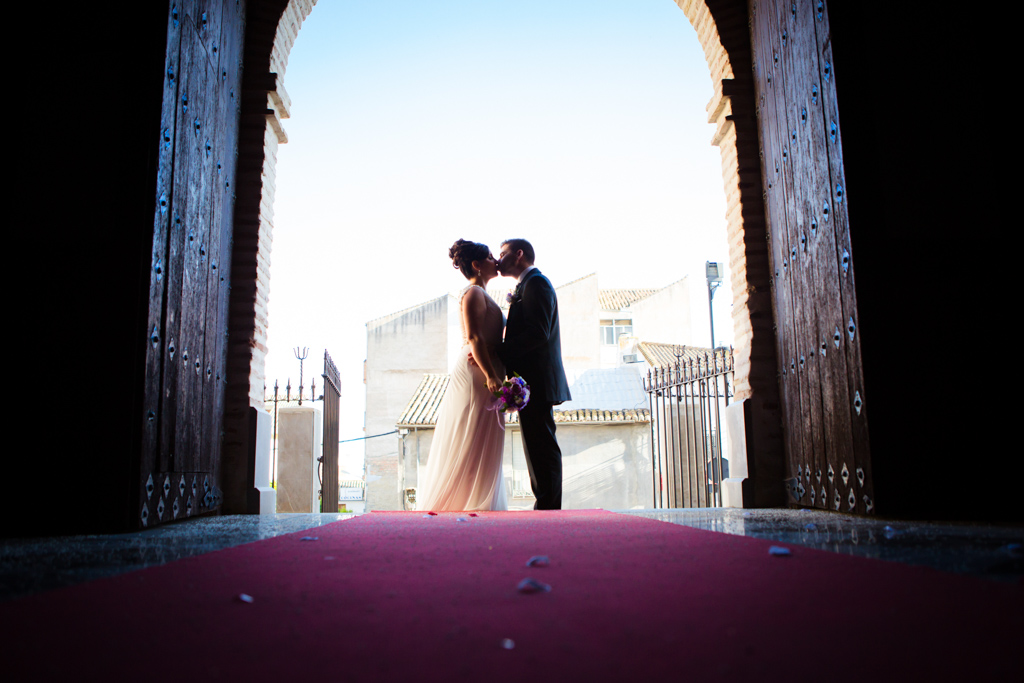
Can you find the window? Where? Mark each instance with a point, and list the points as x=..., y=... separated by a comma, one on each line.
x=611, y=330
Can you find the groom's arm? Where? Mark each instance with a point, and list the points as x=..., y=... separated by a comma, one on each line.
x=538, y=311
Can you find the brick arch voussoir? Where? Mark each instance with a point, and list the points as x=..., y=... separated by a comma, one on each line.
x=723, y=30
x=271, y=29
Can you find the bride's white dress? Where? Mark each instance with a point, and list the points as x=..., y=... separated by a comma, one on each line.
x=464, y=465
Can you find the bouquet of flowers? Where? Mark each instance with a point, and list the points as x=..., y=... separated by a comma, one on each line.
x=513, y=395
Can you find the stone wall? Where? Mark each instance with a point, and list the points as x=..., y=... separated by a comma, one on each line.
x=578, y=316
x=400, y=349
x=603, y=465
x=606, y=466
x=667, y=315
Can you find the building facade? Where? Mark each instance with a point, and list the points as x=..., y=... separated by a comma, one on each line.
x=604, y=432
x=400, y=349
x=605, y=453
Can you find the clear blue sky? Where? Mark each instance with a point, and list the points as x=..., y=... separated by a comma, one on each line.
x=579, y=125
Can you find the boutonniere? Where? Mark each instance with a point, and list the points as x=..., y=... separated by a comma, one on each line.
x=515, y=295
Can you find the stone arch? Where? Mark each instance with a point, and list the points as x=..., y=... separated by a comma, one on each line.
x=271, y=29
x=723, y=31
x=699, y=14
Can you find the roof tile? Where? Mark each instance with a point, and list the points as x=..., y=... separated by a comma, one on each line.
x=664, y=355
x=617, y=299
x=423, y=407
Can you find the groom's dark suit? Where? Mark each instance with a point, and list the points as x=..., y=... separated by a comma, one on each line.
x=533, y=348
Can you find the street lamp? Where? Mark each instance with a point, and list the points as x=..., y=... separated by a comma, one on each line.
x=713, y=270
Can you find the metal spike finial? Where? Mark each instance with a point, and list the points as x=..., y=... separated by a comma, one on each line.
x=301, y=356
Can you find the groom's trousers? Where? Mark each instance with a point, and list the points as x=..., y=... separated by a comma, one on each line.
x=543, y=456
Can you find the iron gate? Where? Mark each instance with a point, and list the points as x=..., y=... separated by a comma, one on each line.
x=329, y=492
x=687, y=399
x=327, y=462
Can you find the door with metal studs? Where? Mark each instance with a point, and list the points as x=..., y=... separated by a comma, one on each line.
x=820, y=368
x=177, y=473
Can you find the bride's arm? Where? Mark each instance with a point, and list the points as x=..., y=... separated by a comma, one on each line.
x=474, y=309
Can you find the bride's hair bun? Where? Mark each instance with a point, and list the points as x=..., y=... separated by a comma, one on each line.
x=464, y=252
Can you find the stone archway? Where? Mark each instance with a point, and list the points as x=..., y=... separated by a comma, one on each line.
x=911, y=285
x=722, y=28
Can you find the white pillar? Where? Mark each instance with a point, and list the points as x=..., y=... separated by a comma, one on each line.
x=299, y=444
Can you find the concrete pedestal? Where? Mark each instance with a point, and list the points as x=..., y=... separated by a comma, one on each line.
x=299, y=444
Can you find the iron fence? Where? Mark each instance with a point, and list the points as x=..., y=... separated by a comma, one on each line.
x=277, y=398
x=687, y=399
x=327, y=463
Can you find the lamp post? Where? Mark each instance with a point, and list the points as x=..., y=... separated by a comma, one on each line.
x=713, y=271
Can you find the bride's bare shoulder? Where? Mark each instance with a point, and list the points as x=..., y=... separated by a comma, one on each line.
x=474, y=296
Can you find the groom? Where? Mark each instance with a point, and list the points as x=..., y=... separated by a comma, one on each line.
x=532, y=348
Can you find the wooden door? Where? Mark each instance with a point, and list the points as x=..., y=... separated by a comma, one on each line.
x=179, y=469
x=819, y=351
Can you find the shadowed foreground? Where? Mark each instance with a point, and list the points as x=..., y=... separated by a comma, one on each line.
x=395, y=596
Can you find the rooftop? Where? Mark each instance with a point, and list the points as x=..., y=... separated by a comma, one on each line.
x=397, y=314
x=617, y=299
x=608, y=299
x=421, y=411
x=612, y=398
x=663, y=355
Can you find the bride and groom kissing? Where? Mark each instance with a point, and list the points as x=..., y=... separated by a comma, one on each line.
x=464, y=465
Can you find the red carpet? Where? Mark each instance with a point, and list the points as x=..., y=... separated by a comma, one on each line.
x=409, y=598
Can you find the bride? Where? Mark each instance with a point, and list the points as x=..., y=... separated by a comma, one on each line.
x=464, y=466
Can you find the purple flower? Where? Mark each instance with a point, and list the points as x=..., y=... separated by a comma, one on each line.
x=513, y=395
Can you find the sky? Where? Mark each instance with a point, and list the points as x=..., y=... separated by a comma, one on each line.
x=578, y=125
